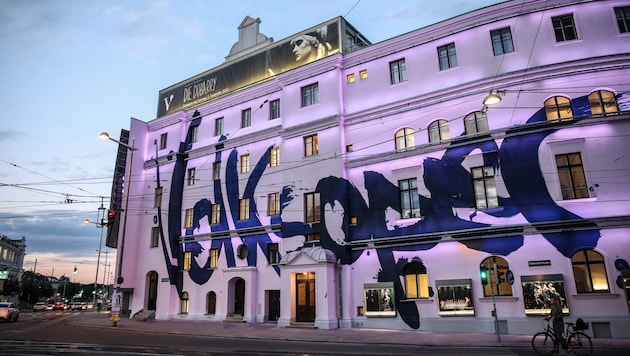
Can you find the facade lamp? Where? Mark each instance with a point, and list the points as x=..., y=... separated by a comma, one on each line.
x=493, y=98
x=105, y=136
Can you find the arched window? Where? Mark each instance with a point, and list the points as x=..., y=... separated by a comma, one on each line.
x=603, y=103
x=211, y=304
x=496, y=268
x=438, y=131
x=476, y=122
x=589, y=272
x=557, y=108
x=404, y=139
x=416, y=280
x=183, y=304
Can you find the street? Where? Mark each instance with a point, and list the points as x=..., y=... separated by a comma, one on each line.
x=51, y=333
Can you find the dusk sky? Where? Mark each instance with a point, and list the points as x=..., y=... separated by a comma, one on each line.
x=71, y=69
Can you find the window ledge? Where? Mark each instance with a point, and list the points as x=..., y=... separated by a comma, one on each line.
x=596, y=295
x=418, y=300
x=500, y=299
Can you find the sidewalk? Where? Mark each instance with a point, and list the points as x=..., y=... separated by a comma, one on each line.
x=363, y=336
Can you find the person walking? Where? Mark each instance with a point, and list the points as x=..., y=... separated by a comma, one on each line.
x=558, y=322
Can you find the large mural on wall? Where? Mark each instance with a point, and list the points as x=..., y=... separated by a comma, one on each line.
x=450, y=186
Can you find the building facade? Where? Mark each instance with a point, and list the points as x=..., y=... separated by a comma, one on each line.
x=12, y=252
x=327, y=181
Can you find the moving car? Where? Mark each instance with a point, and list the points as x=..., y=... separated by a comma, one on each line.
x=78, y=306
x=8, y=311
x=40, y=306
x=59, y=306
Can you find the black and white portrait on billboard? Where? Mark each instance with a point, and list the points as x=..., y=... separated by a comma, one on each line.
x=310, y=46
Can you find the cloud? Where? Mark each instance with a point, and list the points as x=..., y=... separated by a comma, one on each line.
x=9, y=135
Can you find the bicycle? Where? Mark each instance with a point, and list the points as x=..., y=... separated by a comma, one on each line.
x=544, y=342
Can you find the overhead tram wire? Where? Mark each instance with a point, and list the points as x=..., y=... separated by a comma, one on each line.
x=47, y=177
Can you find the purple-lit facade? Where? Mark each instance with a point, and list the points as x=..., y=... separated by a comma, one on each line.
x=370, y=187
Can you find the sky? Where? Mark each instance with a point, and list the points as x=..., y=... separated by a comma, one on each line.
x=71, y=69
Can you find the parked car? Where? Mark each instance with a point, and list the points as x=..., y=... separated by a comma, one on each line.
x=8, y=311
x=59, y=306
x=78, y=306
x=40, y=306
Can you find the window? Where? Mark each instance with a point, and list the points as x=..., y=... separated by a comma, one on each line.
x=353, y=220
x=447, y=56
x=273, y=204
x=349, y=148
x=274, y=109
x=398, y=71
x=439, y=130
x=350, y=78
x=194, y=134
x=603, y=102
x=310, y=95
x=312, y=237
x=163, y=140
x=404, y=139
x=243, y=209
x=215, y=213
x=183, y=304
x=564, y=28
x=363, y=74
x=558, y=107
x=476, y=122
x=312, y=208
x=187, y=262
x=416, y=280
x=496, y=267
x=409, y=198
x=188, y=219
x=218, y=127
x=311, y=147
x=501, y=41
x=274, y=157
x=157, y=197
x=216, y=170
x=623, y=18
x=211, y=307
x=191, y=176
x=589, y=272
x=246, y=118
x=273, y=255
x=214, y=258
x=244, y=163
x=155, y=236
x=571, y=176
x=484, y=187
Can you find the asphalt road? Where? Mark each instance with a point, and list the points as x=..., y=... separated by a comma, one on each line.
x=50, y=333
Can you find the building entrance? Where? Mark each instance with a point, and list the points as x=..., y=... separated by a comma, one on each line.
x=305, y=295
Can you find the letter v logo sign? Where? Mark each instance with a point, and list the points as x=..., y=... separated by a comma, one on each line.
x=167, y=102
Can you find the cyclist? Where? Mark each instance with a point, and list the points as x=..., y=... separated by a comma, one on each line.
x=558, y=323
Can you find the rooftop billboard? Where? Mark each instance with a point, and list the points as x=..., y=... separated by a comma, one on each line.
x=315, y=43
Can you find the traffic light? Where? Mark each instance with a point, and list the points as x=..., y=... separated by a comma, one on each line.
x=500, y=274
x=111, y=215
x=75, y=270
x=484, y=275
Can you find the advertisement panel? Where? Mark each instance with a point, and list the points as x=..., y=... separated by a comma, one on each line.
x=300, y=49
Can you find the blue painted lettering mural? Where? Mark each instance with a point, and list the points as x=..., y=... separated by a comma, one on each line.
x=450, y=186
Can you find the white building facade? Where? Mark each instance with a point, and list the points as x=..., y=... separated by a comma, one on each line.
x=371, y=187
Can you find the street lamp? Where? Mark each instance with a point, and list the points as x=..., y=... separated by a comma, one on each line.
x=105, y=136
x=117, y=307
x=100, y=224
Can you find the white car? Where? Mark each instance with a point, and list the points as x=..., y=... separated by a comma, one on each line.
x=40, y=306
x=8, y=311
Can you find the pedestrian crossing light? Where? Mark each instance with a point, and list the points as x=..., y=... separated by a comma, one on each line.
x=484, y=275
